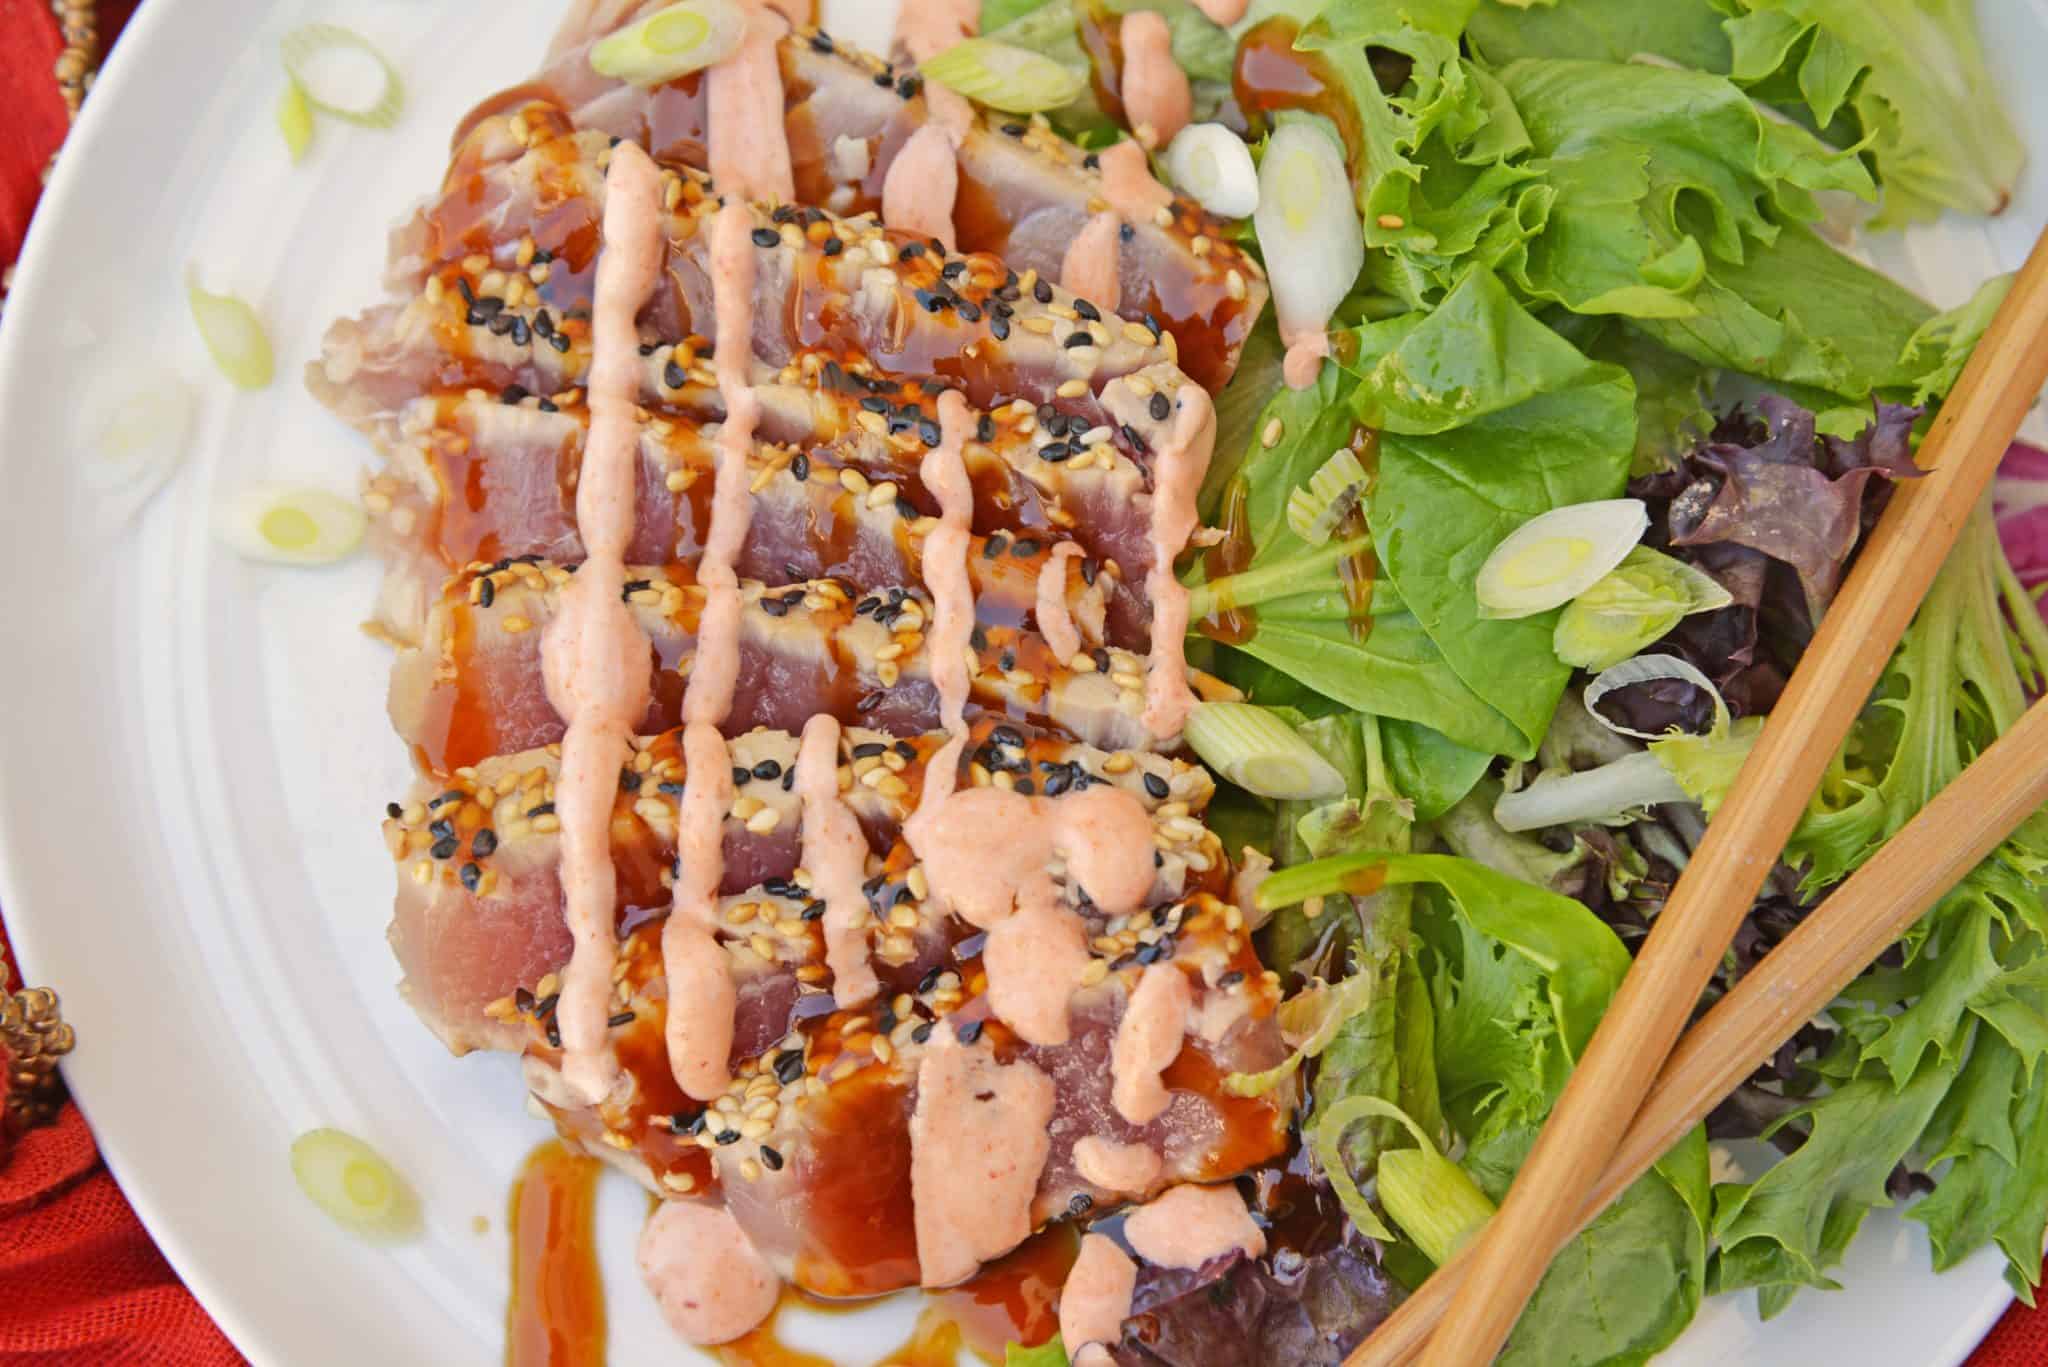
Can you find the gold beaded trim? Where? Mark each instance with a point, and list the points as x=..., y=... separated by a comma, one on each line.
x=33, y=1036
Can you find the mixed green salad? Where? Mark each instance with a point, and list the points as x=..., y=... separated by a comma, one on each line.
x=1606, y=413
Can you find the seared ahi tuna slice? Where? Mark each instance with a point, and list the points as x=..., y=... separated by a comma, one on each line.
x=1024, y=192
x=821, y=282
x=473, y=687
x=479, y=912
x=812, y=1142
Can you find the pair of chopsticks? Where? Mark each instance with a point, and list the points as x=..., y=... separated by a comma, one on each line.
x=1618, y=1112
x=1796, y=980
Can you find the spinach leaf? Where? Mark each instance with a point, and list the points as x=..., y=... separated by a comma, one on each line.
x=1430, y=769
x=1488, y=419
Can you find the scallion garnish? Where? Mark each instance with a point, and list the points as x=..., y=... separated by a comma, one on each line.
x=1307, y=221
x=1436, y=1204
x=671, y=42
x=1003, y=76
x=289, y=524
x=1314, y=511
x=353, y=1184
x=325, y=62
x=1554, y=557
x=295, y=119
x=1260, y=753
x=232, y=332
x=1214, y=167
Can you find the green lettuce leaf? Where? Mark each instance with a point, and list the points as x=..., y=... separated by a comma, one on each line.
x=1912, y=74
x=1051, y=1353
x=1686, y=32
x=1993, y=1126
x=1487, y=419
x=1048, y=27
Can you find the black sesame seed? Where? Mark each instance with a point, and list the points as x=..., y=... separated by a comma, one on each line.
x=910, y=251
x=629, y=781
x=999, y=328
x=687, y=1124
x=1101, y=658
x=812, y=910
x=906, y=750
x=623, y=1018
x=669, y=788
x=766, y=237
x=486, y=593
x=501, y=324
x=884, y=79
x=868, y=702
x=544, y=323
x=985, y=429
x=1081, y=1204
x=468, y=294
x=868, y=749
x=393, y=810
x=741, y=777
x=833, y=246
x=559, y=340
x=1079, y=337
x=1231, y=979
x=1087, y=310
x=800, y=467
x=512, y=393
x=1156, y=786
x=821, y=41
x=445, y=847
x=1160, y=407
x=522, y=999
x=471, y=875
x=767, y=770
x=1090, y=567
x=728, y=1137
x=546, y=1005
x=522, y=331
x=554, y=1034
x=771, y=1159
x=928, y=432
x=1092, y=162
x=909, y=86
x=674, y=376
x=968, y=1033
x=543, y=809
x=995, y=546
x=1024, y=548
x=484, y=843
x=1015, y=130
x=922, y=1033
x=1042, y=292
x=1125, y=232
x=968, y=310
x=775, y=607
x=789, y=1066
x=548, y=406
x=929, y=981
x=1026, y=787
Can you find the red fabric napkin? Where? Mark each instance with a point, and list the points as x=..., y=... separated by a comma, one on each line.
x=80, y=1281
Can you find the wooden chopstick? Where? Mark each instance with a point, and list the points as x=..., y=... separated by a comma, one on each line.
x=1825, y=694
x=1796, y=980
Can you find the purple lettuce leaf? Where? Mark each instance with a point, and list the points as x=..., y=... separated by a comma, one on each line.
x=1287, y=1308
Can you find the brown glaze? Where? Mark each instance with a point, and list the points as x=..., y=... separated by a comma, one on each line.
x=1269, y=75
x=555, y=1315
x=1230, y=623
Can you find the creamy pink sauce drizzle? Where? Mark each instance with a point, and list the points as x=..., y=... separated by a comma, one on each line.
x=1090, y=266
x=710, y=1281
x=1224, y=12
x=1055, y=623
x=1189, y=1225
x=1096, y=1298
x=1127, y=1169
x=835, y=854
x=1148, y=1039
x=945, y=557
x=1178, y=467
x=1156, y=95
x=701, y=994
x=921, y=184
x=1034, y=958
x=978, y=1142
x=1127, y=182
x=748, y=146
x=594, y=654
x=1306, y=348
x=986, y=849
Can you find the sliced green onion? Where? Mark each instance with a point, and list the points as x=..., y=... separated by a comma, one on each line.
x=1651, y=669
x=353, y=1184
x=1633, y=782
x=295, y=119
x=1307, y=222
x=1552, y=559
x=288, y=524
x=1431, y=1198
x=232, y=332
x=1260, y=753
x=325, y=62
x=1313, y=512
x=1214, y=167
x=1637, y=603
x=671, y=42
x=1313, y=1016
x=133, y=434
x=1003, y=76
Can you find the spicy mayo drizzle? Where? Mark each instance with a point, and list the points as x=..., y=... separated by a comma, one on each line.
x=1177, y=471
x=945, y=557
x=1155, y=90
x=594, y=654
x=835, y=853
x=924, y=180
x=1055, y=622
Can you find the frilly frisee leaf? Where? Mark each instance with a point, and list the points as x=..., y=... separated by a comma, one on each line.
x=1312, y=1016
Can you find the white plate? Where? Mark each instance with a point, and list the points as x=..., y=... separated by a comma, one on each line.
x=194, y=754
